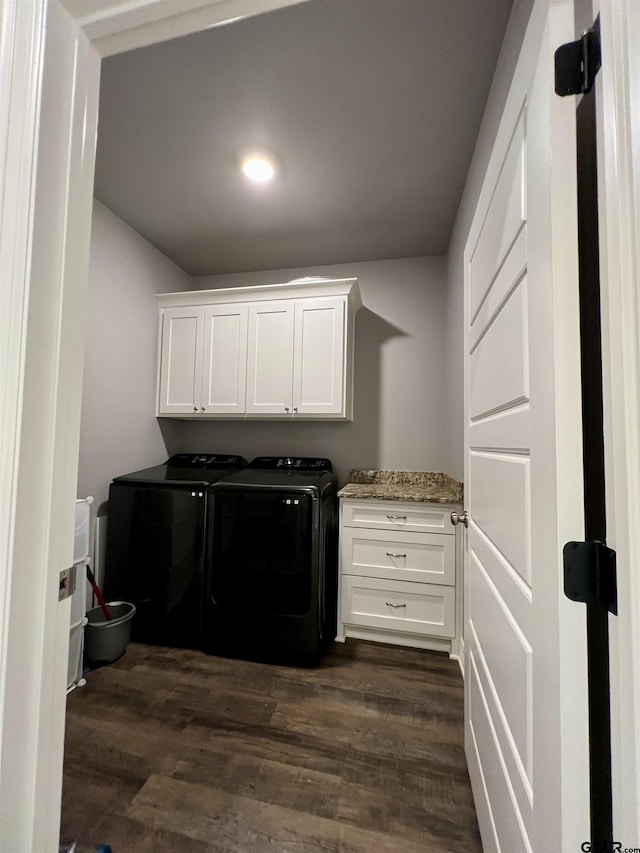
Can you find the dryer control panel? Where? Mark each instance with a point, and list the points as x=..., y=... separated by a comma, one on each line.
x=291, y=463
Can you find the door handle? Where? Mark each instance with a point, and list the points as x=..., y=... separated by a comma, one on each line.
x=460, y=519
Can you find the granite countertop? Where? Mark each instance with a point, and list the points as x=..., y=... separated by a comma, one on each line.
x=402, y=486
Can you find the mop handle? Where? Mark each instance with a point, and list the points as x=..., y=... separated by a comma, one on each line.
x=98, y=595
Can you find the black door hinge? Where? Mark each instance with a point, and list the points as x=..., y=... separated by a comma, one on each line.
x=578, y=62
x=590, y=574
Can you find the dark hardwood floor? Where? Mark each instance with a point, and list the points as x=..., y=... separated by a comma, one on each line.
x=173, y=750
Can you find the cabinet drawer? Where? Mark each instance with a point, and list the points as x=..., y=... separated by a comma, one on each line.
x=397, y=606
x=417, y=557
x=392, y=515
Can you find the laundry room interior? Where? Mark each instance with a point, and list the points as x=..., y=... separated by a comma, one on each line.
x=377, y=117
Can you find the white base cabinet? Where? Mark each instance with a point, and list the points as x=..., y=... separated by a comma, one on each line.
x=397, y=579
x=279, y=351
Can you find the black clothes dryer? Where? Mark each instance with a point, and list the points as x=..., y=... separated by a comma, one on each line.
x=156, y=544
x=271, y=576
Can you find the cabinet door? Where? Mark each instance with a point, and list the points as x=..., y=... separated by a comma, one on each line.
x=270, y=358
x=224, y=367
x=181, y=361
x=319, y=357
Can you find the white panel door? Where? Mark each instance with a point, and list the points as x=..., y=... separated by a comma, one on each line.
x=319, y=357
x=181, y=361
x=224, y=366
x=525, y=649
x=270, y=358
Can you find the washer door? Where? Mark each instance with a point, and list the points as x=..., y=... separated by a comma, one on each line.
x=155, y=559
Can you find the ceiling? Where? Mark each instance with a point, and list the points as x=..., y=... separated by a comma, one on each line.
x=372, y=108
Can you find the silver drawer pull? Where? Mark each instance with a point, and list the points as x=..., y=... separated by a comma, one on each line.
x=397, y=516
x=391, y=604
x=391, y=554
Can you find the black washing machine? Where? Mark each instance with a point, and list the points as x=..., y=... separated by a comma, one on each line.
x=271, y=576
x=156, y=544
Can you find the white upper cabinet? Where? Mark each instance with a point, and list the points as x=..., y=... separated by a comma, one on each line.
x=181, y=361
x=224, y=366
x=278, y=351
x=270, y=358
x=319, y=356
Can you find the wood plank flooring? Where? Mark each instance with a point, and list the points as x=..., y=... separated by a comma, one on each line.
x=173, y=750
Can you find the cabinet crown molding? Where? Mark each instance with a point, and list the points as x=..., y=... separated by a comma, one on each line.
x=309, y=288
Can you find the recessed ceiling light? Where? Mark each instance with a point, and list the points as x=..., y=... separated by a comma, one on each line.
x=258, y=166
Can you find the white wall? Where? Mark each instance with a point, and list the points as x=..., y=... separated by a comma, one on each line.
x=119, y=430
x=455, y=265
x=400, y=419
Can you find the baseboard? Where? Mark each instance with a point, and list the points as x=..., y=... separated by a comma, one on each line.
x=397, y=638
x=460, y=657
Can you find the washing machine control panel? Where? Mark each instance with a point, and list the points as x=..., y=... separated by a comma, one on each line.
x=206, y=460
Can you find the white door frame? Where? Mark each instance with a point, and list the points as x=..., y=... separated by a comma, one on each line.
x=50, y=53
x=618, y=118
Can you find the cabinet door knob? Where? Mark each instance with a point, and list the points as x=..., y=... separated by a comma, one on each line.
x=295, y=409
x=286, y=408
x=460, y=519
x=203, y=409
x=195, y=408
x=391, y=604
